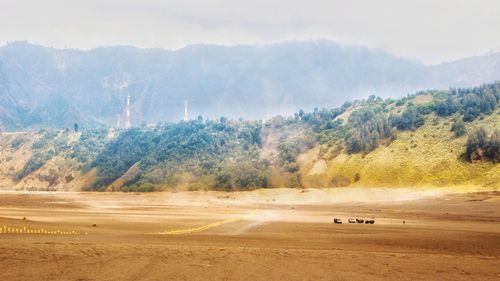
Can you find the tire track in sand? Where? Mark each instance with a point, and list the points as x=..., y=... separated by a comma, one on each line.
x=207, y=226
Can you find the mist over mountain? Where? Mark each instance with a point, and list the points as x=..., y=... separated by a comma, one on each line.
x=46, y=87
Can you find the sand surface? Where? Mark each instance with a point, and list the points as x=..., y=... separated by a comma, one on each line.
x=278, y=234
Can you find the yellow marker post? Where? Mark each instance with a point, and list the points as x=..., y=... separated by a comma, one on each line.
x=26, y=230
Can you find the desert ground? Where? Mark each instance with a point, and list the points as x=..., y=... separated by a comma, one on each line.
x=278, y=234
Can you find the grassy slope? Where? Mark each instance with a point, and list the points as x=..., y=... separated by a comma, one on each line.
x=431, y=156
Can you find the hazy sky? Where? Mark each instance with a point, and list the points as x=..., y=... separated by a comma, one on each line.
x=428, y=30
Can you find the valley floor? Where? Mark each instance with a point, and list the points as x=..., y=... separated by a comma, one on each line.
x=259, y=235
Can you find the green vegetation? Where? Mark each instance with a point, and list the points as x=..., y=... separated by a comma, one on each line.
x=471, y=103
x=366, y=128
x=34, y=163
x=120, y=154
x=89, y=145
x=411, y=119
x=458, y=128
x=214, y=154
x=51, y=143
x=45, y=140
x=17, y=142
x=237, y=155
x=211, y=154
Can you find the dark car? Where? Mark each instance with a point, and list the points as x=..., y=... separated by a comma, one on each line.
x=360, y=220
x=337, y=221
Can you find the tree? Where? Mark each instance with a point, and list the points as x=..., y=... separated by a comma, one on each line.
x=447, y=107
x=346, y=105
x=366, y=129
x=411, y=119
x=476, y=144
x=301, y=114
x=458, y=128
x=371, y=99
x=223, y=182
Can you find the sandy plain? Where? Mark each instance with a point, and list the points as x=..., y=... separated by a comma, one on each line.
x=278, y=234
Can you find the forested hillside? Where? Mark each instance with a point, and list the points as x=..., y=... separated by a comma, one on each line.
x=428, y=139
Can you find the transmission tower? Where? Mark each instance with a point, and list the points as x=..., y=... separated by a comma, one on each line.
x=117, y=120
x=186, y=117
x=127, y=114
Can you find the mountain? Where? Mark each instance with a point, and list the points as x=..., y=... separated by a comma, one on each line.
x=45, y=87
x=466, y=72
x=429, y=139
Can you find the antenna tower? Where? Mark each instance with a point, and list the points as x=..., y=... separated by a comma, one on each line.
x=127, y=114
x=186, y=118
x=117, y=120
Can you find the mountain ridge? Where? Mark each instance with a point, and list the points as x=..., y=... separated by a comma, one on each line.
x=251, y=82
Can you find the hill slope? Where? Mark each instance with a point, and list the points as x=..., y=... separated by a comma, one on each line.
x=429, y=139
x=430, y=156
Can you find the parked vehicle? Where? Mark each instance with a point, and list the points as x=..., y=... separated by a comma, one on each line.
x=370, y=221
x=360, y=220
x=351, y=220
x=337, y=221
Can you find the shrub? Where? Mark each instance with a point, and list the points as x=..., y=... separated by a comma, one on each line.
x=69, y=178
x=340, y=181
x=357, y=177
x=458, y=128
x=223, y=182
x=476, y=145
x=17, y=142
x=294, y=181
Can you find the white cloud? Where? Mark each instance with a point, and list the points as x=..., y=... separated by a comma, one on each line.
x=430, y=30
